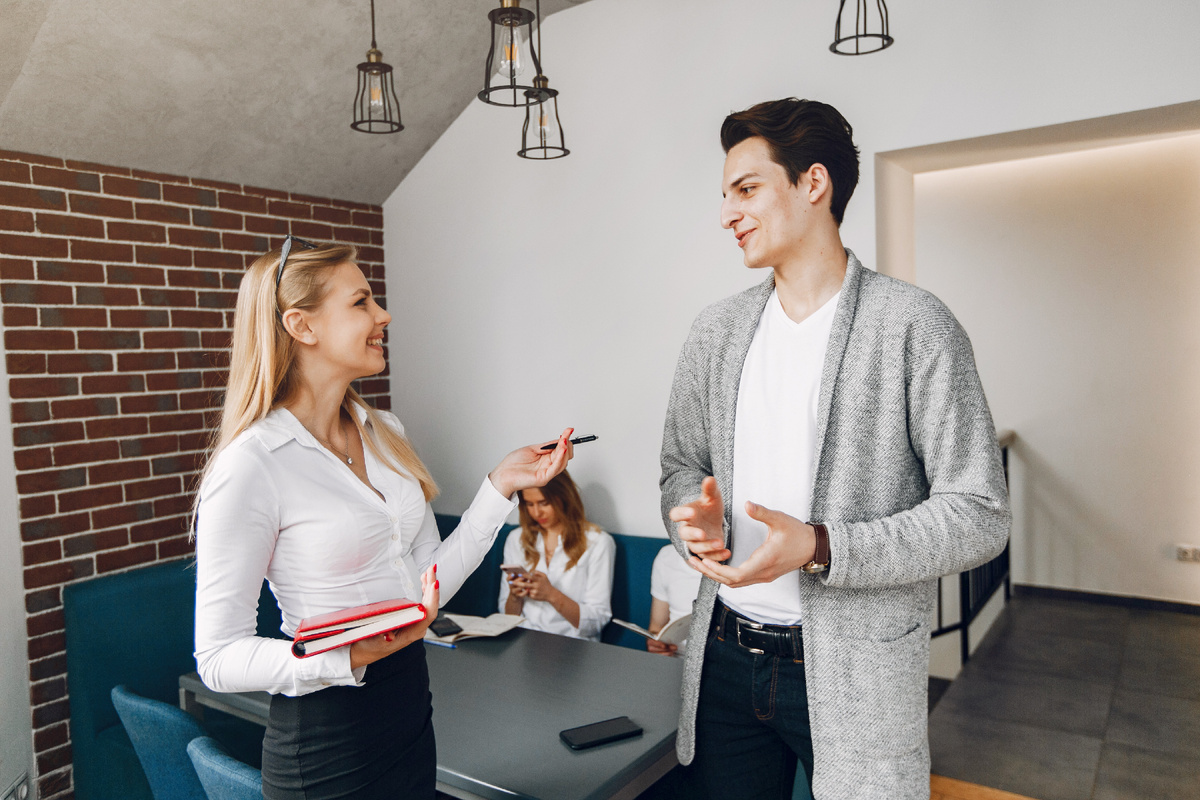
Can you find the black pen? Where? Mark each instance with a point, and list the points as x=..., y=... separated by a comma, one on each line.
x=576, y=440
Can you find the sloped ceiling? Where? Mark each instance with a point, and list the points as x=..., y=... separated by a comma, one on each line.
x=256, y=92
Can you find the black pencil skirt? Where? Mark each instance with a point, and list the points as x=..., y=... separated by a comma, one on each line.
x=362, y=742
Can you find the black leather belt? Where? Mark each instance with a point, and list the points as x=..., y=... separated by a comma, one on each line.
x=757, y=637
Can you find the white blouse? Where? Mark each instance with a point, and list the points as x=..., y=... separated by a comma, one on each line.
x=280, y=505
x=588, y=583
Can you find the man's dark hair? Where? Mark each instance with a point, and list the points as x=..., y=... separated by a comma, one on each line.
x=801, y=133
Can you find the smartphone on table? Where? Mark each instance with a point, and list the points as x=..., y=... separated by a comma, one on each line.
x=610, y=730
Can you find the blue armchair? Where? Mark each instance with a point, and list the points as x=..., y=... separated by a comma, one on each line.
x=160, y=733
x=223, y=776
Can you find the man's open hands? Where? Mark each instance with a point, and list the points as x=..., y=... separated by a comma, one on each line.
x=790, y=543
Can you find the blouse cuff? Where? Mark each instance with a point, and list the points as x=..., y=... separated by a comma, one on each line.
x=331, y=668
x=490, y=509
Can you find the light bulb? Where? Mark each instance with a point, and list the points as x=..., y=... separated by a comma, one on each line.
x=375, y=93
x=543, y=123
x=512, y=47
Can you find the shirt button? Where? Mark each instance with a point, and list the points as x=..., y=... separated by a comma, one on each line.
x=394, y=520
x=395, y=537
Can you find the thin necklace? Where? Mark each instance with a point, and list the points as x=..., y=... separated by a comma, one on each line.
x=344, y=453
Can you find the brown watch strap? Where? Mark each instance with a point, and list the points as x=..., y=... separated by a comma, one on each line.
x=821, y=555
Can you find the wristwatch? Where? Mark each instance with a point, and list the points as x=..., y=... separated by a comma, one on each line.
x=820, y=561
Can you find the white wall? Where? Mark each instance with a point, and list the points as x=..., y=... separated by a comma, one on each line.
x=530, y=296
x=1078, y=277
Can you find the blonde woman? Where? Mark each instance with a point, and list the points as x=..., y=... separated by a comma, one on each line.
x=566, y=583
x=310, y=487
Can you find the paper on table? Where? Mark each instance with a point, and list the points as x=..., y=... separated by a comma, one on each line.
x=674, y=633
x=472, y=627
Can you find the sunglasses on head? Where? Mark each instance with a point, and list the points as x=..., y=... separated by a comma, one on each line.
x=284, y=252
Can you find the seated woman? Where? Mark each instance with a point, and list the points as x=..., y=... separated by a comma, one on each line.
x=673, y=587
x=566, y=587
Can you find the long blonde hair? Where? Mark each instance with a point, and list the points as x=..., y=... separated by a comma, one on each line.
x=263, y=357
x=563, y=495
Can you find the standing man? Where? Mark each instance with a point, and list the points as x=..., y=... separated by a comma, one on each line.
x=841, y=414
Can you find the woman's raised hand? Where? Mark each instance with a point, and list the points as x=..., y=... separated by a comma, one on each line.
x=370, y=650
x=530, y=467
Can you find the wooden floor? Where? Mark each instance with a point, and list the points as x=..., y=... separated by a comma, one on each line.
x=950, y=789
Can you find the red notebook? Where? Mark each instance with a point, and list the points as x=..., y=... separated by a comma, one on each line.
x=339, y=628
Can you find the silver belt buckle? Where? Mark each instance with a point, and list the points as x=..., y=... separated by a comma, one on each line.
x=754, y=626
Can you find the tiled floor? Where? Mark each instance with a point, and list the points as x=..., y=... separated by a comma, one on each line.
x=1068, y=699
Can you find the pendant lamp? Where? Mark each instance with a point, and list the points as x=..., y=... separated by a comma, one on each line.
x=512, y=62
x=861, y=30
x=376, y=108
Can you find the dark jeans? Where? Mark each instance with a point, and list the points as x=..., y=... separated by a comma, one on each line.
x=751, y=723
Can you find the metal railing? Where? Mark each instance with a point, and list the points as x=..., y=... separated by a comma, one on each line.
x=976, y=586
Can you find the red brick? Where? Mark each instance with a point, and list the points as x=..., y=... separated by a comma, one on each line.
x=191, y=237
x=42, y=624
x=116, y=426
x=196, y=440
x=89, y=543
x=51, y=760
x=14, y=172
x=89, y=166
x=11, y=220
x=338, y=216
x=25, y=363
x=51, y=528
x=113, y=384
x=70, y=454
x=157, y=487
x=31, y=459
x=156, y=212
x=229, y=187
x=67, y=317
x=106, y=295
x=184, y=318
x=120, y=559
x=97, y=206
x=70, y=225
x=216, y=299
x=109, y=340
x=139, y=318
x=79, y=362
x=16, y=269
x=174, y=464
x=50, y=737
x=215, y=259
x=146, y=276
x=169, y=381
x=42, y=646
x=66, y=179
x=122, y=515
x=20, y=317
x=206, y=218
x=169, y=340
x=242, y=202
x=84, y=250
x=195, y=278
x=189, y=195
x=233, y=280
x=215, y=379
x=83, y=407
x=30, y=412
x=269, y=225
x=374, y=254
x=62, y=572
x=51, y=786
x=140, y=362
x=177, y=546
x=312, y=230
x=137, y=232
x=36, y=294
x=352, y=235
x=171, y=256
x=265, y=192
x=89, y=498
x=368, y=219
x=127, y=187
x=377, y=238
x=198, y=359
x=242, y=241
x=353, y=204
x=32, y=197
x=32, y=158
x=42, y=387
x=70, y=272
x=176, y=422
x=50, y=433
x=42, y=505
x=159, y=529
x=148, y=446
x=37, y=246
x=170, y=506
x=161, y=177
x=191, y=401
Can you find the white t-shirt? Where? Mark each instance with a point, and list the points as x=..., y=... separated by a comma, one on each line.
x=588, y=583
x=774, y=445
x=674, y=582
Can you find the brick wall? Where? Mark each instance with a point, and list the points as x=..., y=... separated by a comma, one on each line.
x=117, y=288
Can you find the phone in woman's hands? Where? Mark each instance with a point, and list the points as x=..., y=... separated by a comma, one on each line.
x=513, y=571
